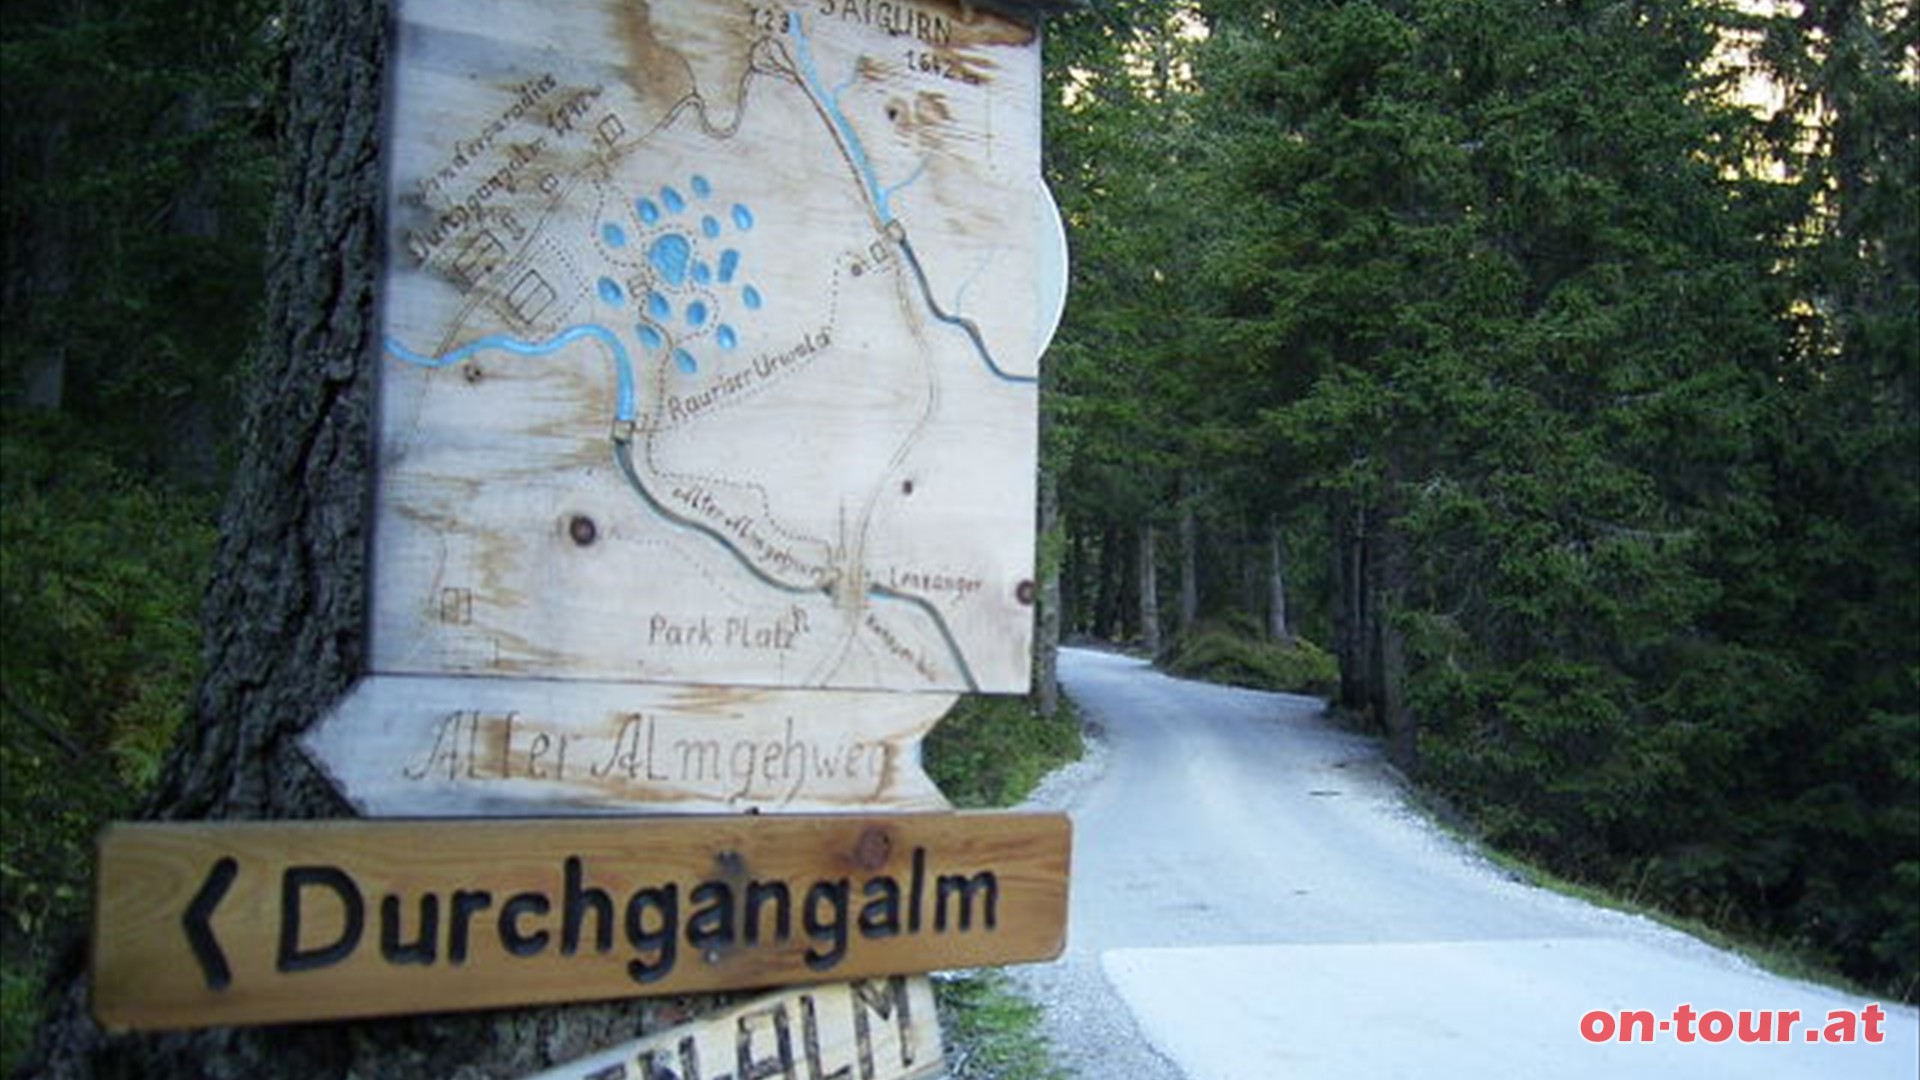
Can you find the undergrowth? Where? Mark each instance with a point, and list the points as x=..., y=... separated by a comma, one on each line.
x=992, y=1032
x=1224, y=654
x=100, y=578
x=990, y=752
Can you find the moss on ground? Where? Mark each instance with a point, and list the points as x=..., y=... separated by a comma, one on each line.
x=1223, y=655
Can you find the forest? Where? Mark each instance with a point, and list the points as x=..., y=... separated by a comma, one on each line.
x=1555, y=367
x=1537, y=380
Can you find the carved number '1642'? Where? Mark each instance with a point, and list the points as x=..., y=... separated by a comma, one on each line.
x=942, y=66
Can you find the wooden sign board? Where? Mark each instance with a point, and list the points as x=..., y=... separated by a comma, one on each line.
x=875, y=1029
x=413, y=746
x=205, y=924
x=710, y=343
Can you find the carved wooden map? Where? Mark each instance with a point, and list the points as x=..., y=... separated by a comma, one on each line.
x=709, y=359
x=711, y=343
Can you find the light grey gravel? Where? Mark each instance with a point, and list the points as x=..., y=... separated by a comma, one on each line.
x=1089, y=1028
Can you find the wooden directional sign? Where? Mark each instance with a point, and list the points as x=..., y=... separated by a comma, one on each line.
x=875, y=1029
x=204, y=924
x=441, y=747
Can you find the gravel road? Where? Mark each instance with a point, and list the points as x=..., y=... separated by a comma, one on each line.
x=1253, y=896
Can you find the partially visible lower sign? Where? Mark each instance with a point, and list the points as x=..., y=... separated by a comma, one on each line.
x=203, y=924
x=873, y=1029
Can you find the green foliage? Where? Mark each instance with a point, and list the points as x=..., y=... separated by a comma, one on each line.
x=100, y=578
x=1135, y=387
x=1604, y=389
x=1238, y=656
x=991, y=751
x=135, y=169
x=19, y=1003
x=992, y=1032
x=136, y=174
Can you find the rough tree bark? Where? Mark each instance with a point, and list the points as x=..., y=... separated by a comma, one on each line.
x=1347, y=571
x=1076, y=597
x=1370, y=578
x=1189, y=611
x=1389, y=666
x=284, y=617
x=46, y=280
x=1046, y=636
x=1108, y=622
x=1388, y=583
x=1278, y=628
x=1149, y=591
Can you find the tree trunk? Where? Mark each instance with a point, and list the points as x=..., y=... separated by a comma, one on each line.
x=1073, y=581
x=1347, y=549
x=1107, y=619
x=1189, y=612
x=1389, y=668
x=47, y=280
x=285, y=627
x=1149, y=593
x=1046, y=636
x=196, y=211
x=1277, y=626
x=192, y=451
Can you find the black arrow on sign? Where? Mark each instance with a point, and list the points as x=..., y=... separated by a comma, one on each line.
x=198, y=923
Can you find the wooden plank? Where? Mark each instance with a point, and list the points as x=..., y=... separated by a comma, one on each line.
x=205, y=924
x=710, y=344
x=875, y=1029
x=442, y=747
